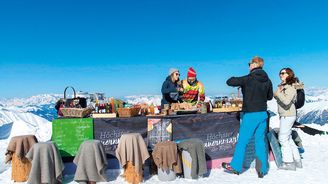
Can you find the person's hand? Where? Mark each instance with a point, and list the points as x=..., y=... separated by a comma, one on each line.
x=276, y=92
x=280, y=88
x=180, y=89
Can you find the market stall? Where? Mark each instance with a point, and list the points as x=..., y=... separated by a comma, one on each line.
x=218, y=131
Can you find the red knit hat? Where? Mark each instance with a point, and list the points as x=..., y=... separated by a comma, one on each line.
x=191, y=72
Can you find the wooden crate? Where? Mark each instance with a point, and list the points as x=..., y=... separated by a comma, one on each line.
x=128, y=112
x=104, y=115
x=227, y=109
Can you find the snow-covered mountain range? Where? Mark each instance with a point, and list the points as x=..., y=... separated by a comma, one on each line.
x=41, y=105
x=315, y=109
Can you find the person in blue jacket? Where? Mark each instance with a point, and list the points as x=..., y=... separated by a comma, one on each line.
x=171, y=88
x=257, y=90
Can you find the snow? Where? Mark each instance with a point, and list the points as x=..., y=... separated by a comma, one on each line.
x=315, y=163
x=315, y=159
x=316, y=94
x=147, y=99
x=29, y=104
x=24, y=123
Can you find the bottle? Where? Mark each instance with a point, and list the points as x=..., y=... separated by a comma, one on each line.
x=106, y=108
x=97, y=106
x=152, y=109
x=113, y=105
x=203, y=108
x=223, y=102
x=219, y=102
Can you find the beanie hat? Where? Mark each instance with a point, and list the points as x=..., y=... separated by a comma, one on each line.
x=172, y=70
x=191, y=72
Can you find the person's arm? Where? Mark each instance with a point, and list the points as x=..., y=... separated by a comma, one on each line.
x=237, y=81
x=185, y=86
x=285, y=99
x=201, y=92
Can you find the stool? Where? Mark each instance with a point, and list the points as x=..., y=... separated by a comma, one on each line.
x=17, y=149
x=91, y=162
x=130, y=174
x=132, y=153
x=193, y=158
x=167, y=160
x=47, y=164
x=20, y=168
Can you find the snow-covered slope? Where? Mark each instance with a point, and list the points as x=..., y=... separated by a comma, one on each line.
x=15, y=123
x=41, y=105
x=23, y=123
x=315, y=110
x=313, y=159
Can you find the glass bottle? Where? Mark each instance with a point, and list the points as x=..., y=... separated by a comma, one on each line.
x=97, y=106
x=152, y=109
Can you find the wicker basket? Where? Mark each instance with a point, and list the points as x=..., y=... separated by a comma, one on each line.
x=128, y=112
x=76, y=112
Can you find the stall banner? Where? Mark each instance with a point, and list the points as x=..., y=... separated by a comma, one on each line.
x=158, y=130
x=69, y=134
x=218, y=131
x=109, y=130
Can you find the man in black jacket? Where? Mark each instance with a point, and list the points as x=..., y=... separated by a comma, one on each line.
x=257, y=90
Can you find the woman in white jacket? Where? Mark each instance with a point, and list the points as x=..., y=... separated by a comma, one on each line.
x=286, y=97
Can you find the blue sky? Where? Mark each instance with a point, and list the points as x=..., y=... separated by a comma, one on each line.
x=126, y=47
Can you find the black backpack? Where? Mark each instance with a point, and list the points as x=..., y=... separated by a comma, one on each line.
x=300, y=99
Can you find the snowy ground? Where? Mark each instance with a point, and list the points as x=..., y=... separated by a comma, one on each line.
x=315, y=162
x=315, y=158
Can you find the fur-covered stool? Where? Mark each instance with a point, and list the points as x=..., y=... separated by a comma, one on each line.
x=17, y=149
x=132, y=153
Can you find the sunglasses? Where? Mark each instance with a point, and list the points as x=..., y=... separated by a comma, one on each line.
x=177, y=74
x=249, y=64
x=282, y=73
x=191, y=80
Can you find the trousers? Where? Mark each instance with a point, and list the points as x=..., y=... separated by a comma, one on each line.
x=288, y=147
x=253, y=124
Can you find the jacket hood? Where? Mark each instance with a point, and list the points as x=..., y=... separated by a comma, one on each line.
x=259, y=74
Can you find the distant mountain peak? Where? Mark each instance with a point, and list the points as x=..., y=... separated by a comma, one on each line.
x=315, y=109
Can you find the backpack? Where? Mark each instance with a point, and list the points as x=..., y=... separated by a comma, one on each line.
x=300, y=98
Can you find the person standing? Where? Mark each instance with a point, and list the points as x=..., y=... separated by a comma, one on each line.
x=170, y=88
x=286, y=97
x=257, y=90
x=193, y=90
